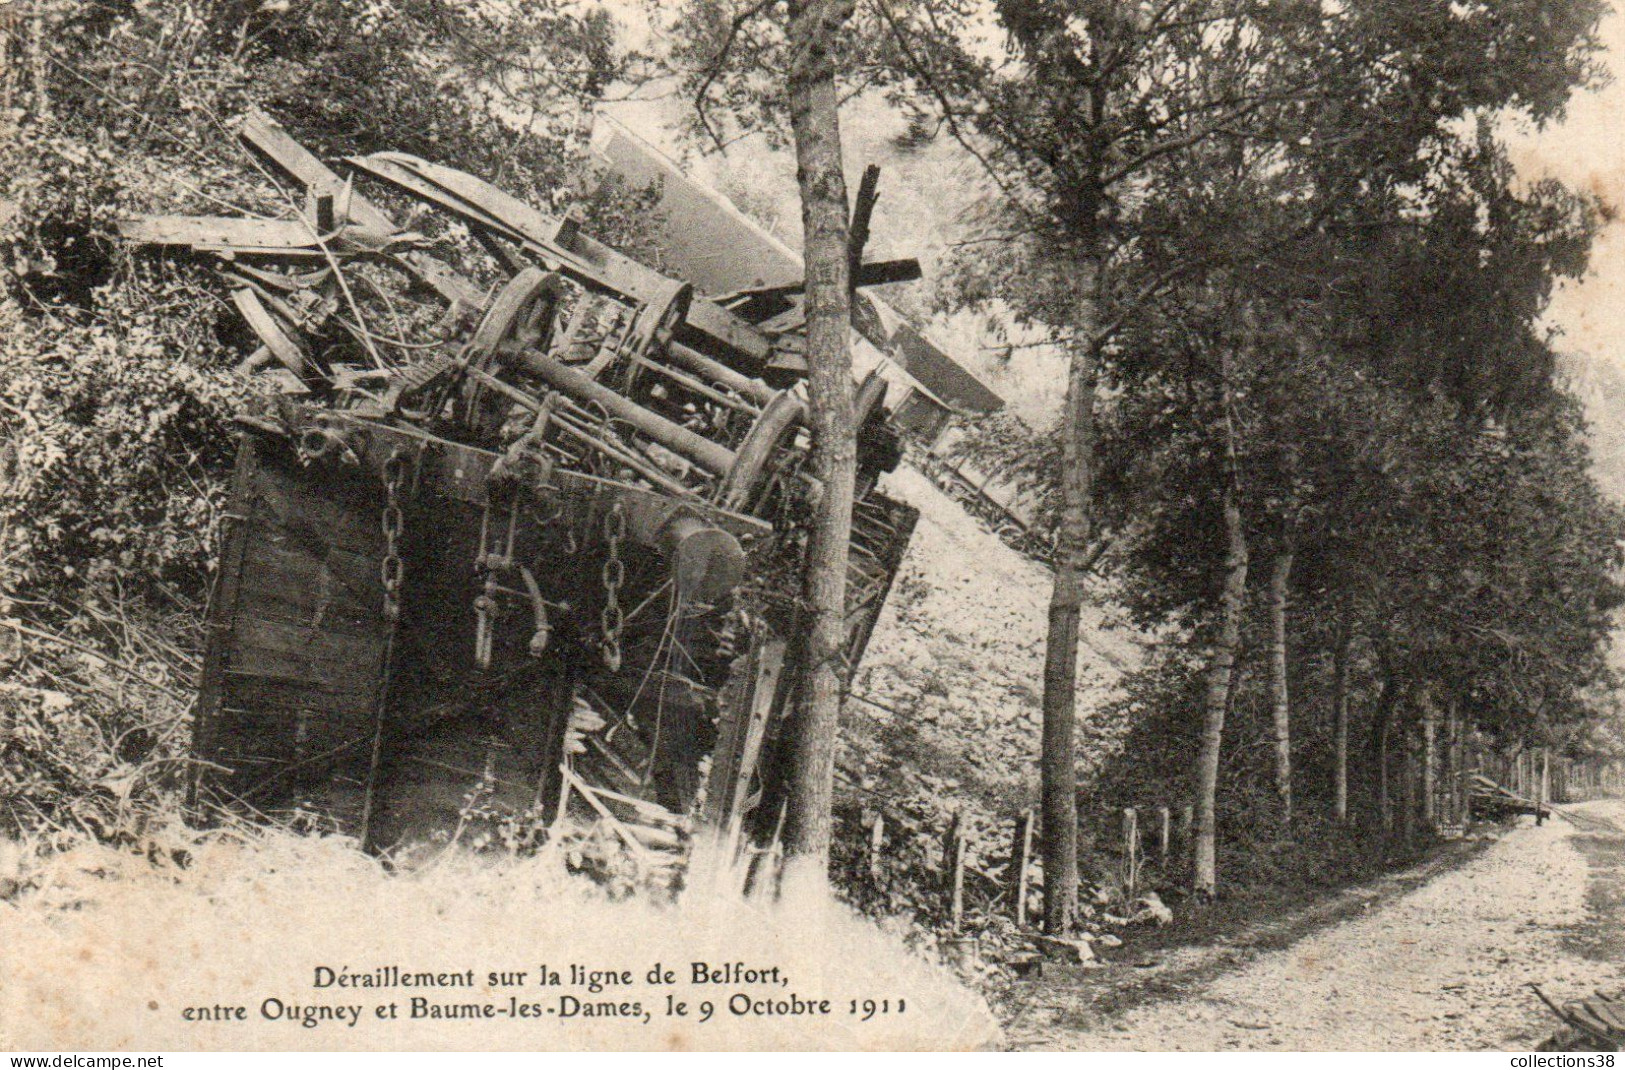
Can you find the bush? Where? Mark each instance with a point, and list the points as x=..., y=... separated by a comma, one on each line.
x=116, y=382
x=116, y=435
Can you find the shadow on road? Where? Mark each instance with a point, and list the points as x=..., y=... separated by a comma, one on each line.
x=1081, y=999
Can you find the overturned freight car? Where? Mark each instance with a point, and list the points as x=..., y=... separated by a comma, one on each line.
x=535, y=565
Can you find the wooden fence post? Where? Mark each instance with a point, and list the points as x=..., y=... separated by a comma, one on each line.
x=953, y=849
x=876, y=837
x=39, y=63
x=1468, y=766
x=1131, y=851
x=1021, y=853
x=8, y=18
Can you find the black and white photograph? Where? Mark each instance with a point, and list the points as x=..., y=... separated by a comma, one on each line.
x=800, y=525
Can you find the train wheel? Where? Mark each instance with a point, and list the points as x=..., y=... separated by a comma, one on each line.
x=745, y=486
x=520, y=318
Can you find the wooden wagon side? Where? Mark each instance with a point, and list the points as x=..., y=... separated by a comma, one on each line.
x=322, y=703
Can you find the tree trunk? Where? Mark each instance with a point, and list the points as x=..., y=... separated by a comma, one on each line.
x=1058, y=761
x=1205, y=881
x=8, y=17
x=1381, y=815
x=1340, y=713
x=1458, y=796
x=1430, y=750
x=1385, y=808
x=1280, y=705
x=813, y=28
x=1407, y=787
x=38, y=50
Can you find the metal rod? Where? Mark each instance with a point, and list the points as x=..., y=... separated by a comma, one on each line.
x=696, y=385
x=561, y=421
x=713, y=457
x=566, y=422
x=753, y=389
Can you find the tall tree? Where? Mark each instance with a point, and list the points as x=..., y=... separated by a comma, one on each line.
x=1342, y=650
x=815, y=121
x=1090, y=97
x=1221, y=670
x=1280, y=700
x=766, y=65
x=1336, y=171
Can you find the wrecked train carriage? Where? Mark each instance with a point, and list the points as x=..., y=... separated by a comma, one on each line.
x=544, y=569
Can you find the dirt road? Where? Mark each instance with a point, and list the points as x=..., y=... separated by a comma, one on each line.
x=1443, y=967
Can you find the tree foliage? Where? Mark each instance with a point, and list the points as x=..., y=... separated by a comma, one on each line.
x=115, y=369
x=1318, y=296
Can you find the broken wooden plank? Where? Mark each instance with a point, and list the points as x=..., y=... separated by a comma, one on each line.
x=863, y=210
x=746, y=708
x=272, y=141
x=223, y=233
x=277, y=339
x=590, y=262
x=874, y=273
x=372, y=228
x=1021, y=853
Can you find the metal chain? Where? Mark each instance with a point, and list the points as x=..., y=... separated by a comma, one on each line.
x=613, y=575
x=490, y=562
x=390, y=569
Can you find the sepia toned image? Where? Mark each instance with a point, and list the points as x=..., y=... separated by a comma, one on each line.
x=971, y=525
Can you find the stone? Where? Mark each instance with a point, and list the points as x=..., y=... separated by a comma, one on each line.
x=1150, y=907
x=1059, y=949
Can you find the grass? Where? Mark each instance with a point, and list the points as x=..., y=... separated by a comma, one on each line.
x=106, y=949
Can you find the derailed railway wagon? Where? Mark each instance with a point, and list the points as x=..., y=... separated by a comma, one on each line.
x=534, y=576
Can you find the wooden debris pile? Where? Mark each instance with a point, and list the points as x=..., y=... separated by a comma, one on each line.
x=1595, y=1023
x=515, y=537
x=1490, y=801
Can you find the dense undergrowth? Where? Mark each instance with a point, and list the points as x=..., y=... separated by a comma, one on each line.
x=116, y=367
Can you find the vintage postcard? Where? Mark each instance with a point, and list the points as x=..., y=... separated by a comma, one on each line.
x=553, y=525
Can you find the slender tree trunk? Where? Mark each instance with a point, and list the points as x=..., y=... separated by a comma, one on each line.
x=1407, y=787
x=1430, y=751
x=1205, y=879
x=38, y=50
x=8, y=18
x=1458, y=768
x=1058, y=762
x=1280, y=704
x=813, y=27
x=1385, y=808
x=1381, y=816
x=1340, y=714
x=1031, y=28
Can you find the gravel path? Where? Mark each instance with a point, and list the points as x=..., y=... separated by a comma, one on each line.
x=1442, y=968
